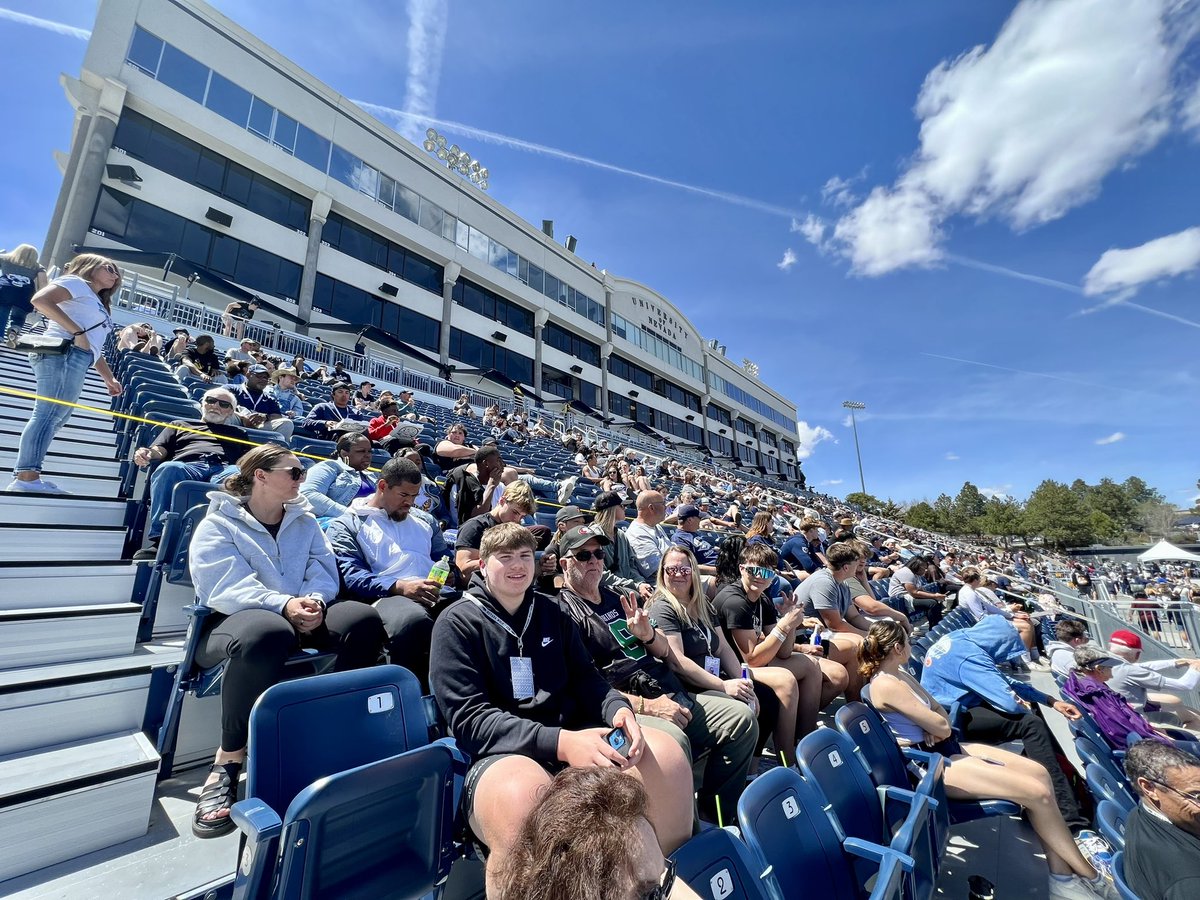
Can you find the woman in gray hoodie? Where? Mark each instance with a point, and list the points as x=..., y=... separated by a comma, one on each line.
x=260, y=562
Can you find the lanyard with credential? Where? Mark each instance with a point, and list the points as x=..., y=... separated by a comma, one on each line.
x=519, y=638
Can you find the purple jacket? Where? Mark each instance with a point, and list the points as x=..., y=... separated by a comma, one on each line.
x=1114, y=716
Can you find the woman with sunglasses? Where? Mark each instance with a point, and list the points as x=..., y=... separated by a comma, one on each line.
x=260, y=562
x=78, y=305
x=589, y=838
x=973, y=771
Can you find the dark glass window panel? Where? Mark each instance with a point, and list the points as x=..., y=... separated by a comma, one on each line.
x=331, y=231
x=269, y=200
x=173, y=153
x=343, y=166
x=390, y=319
x=535, y=278
x=395, y=260
x=197, y=241
x=238, y=180
x=312, y=148
x=133, y=134
x=288, y=283
x=285, y=132
x=323, y=294
x=407, y=203
x=262, y=117
x=257, y=269
x=551, y=286
x=182, y=73
x=419, y=330
x=223, y=256
x=112, y=212
x=151, y=228
x=298, y=214
x=145, y=50
x=210, y=171
x=423, y=273
x=228, y=100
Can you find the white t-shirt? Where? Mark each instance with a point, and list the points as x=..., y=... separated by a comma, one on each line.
x=394, y=550
x=85, y=310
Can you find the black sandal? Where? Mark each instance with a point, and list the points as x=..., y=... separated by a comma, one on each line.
x=221, y=794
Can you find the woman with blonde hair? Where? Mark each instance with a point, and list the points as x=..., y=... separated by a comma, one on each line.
x=78, y=305
x=261, y=563
x=619, y=560
x=20, y=278
x=973, y=771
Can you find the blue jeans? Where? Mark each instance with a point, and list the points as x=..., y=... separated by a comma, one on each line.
x=13, y=317
x=59, y=377
x=162, y=484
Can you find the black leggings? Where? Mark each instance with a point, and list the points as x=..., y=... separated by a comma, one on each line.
x=258, y=642
x=933, y=609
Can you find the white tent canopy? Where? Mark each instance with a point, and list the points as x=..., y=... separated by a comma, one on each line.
x=1166, y=551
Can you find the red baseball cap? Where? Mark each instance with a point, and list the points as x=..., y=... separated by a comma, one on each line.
x=1125, y=638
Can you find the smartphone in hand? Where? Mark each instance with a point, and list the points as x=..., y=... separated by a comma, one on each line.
x=619, y=741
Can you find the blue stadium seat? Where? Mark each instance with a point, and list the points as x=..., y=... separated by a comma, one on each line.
x=1118, y=870
x=189, y=500
x=894, y=817
x=784, y=822
x=1104, y=786
x=718, y=866
x=1110, y=819
x=888, y=764
x=1092, y=753
x=363, y=806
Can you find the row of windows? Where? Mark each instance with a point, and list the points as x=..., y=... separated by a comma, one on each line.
x=158, y=146
x=562, y=384
x=635, y=374
x=194, y=80
x=720, y=446
x=492, y=306
x=720, y=415
x=365, y=245
x=657, y=347
x=767, y=438
x=148, y=227
x=619, y=405
x=747, y=454
x=744, y=427
x=716, y=382
x=198, y=82
x=478, y=353
x=572, y=344
x=789, y=448
x=358, y=307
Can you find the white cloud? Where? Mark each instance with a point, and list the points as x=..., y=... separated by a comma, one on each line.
x=1190, y=111
x=999, y=492
x=1111, y=439
x=789, y=260
x=812, y=228
x=832, y=482
x=427, y=21
x=839, y=191
x=1124, y=271
x=808, y=438
x=1027, y=128
x=951, y=456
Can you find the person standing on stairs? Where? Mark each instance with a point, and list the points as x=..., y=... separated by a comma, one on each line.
x=78, y=305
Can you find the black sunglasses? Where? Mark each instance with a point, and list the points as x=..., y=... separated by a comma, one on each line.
x=217, y=401
x=587, y=555
x=297, y=472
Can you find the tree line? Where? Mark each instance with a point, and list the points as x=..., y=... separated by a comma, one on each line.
x=1060, y=515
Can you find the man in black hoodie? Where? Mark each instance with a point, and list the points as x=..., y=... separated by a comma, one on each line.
x=523, y=699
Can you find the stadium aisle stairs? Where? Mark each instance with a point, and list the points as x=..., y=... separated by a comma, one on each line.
x=77, y=774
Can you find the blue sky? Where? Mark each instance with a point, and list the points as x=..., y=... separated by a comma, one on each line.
x=981, y=219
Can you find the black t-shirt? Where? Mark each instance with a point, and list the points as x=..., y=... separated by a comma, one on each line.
x=208, y=363
x=470, y=534
x=617, y=653
x=470, y=492
x=737, y=613
x=698, y=641
x=1162, y=862
x=211, y=441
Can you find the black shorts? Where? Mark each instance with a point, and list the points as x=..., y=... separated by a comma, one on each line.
x=475, y=774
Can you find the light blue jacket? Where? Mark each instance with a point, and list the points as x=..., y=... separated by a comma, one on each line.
x=237, y=565
x=961, y=668
x=288, y=401
x=330, y=486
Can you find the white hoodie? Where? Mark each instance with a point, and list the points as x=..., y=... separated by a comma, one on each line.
x=237, y=565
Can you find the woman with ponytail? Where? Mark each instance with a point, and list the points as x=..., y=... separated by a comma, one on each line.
x=972, y=771
x=260, y=562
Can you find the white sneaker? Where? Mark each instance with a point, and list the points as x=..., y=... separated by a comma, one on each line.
x=566, y=487
x=37, y=486
x=1076, y=888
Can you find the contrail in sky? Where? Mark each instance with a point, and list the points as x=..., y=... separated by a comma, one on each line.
x=57, y=27
x=503, y=140
x=1063, y=378
x=427, y=20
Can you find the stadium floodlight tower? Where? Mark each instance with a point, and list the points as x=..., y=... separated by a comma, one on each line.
x=456, y=159
x=852, y=405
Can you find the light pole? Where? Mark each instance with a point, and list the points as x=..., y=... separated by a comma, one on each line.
x=455, y=159
x=852, y=405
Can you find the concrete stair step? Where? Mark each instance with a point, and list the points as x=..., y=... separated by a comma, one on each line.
x=68, y=543
x=73, y=463
x=48, y=635
x=67, y=584
x=81, y=485
x=62, y=510
x=59, y=803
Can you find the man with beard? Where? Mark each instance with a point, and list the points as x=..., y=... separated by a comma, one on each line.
x=189, y=451
x=384, y=555
x=258, y=409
